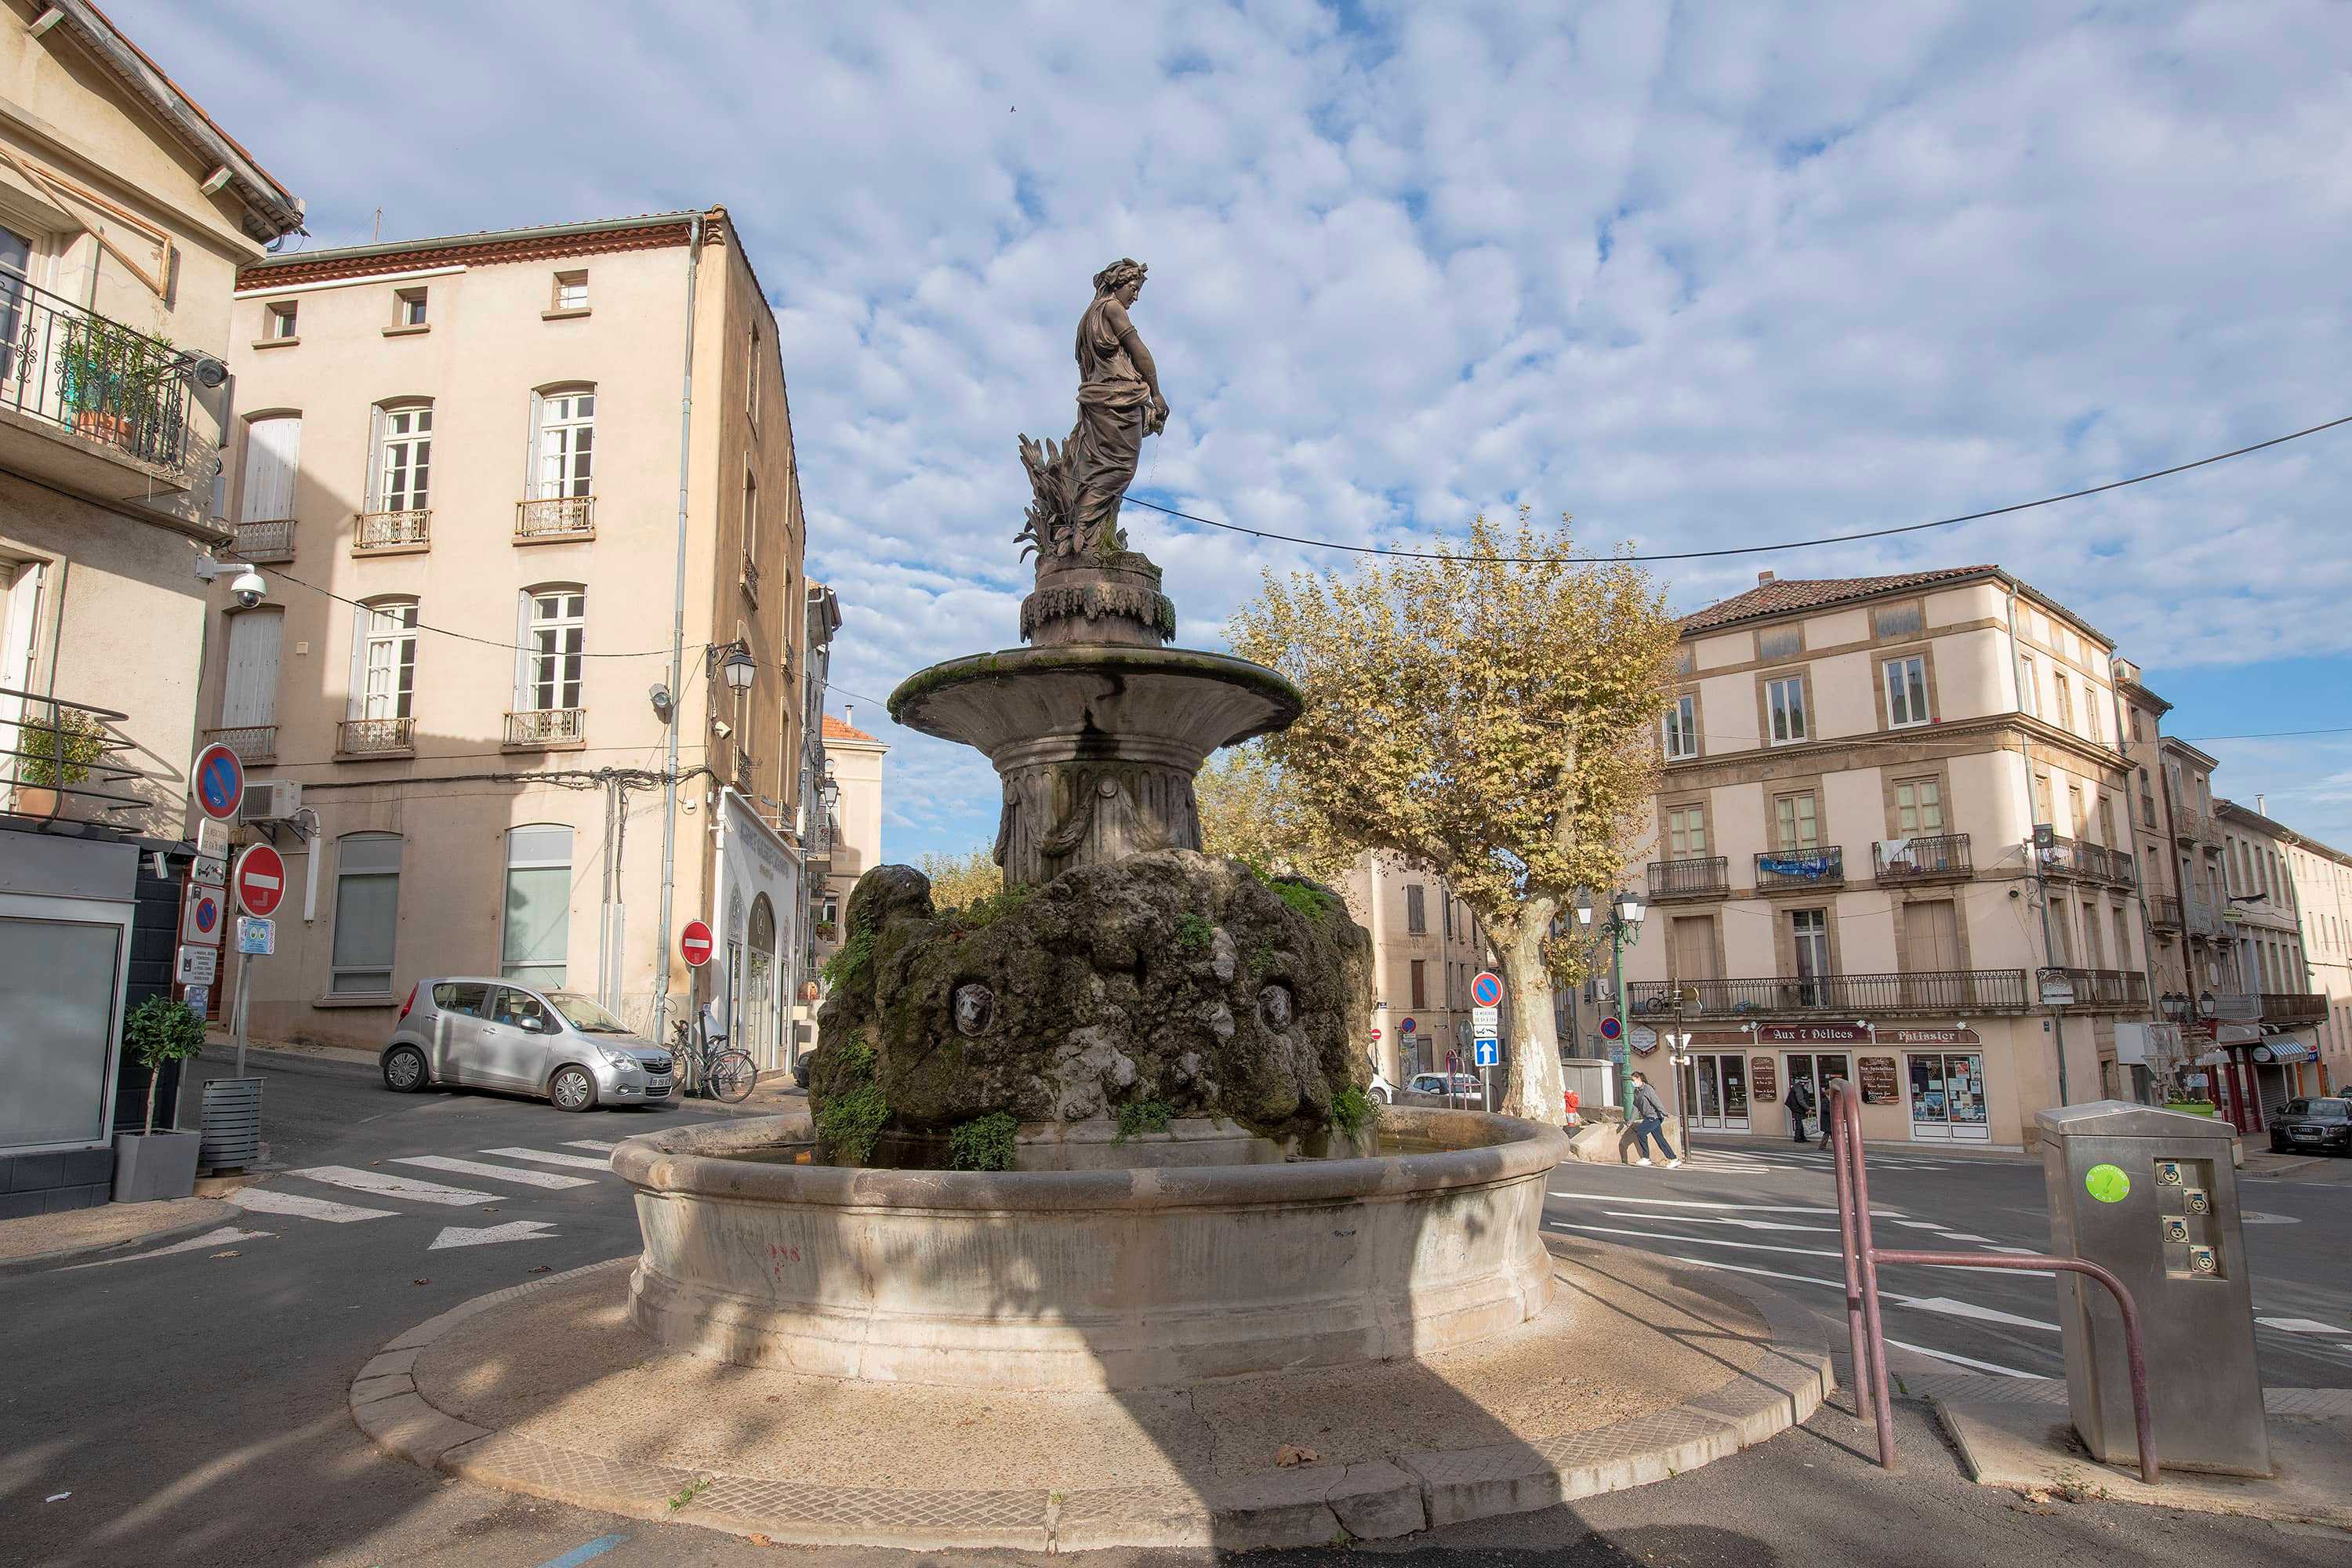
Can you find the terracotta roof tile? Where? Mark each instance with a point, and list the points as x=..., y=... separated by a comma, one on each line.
x=834, y=730
x=1782, y=596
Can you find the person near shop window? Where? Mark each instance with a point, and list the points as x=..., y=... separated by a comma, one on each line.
x=1800, y=1104
x=1829, y=1091
x=1650, y=1123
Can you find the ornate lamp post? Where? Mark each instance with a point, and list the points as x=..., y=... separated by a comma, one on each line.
x=1623, y=927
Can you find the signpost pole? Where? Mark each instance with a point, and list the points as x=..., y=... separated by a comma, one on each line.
x=244, y=977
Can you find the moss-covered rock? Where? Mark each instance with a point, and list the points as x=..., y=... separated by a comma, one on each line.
x=1096, y=991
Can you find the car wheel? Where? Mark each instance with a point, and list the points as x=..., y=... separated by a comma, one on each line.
x=2277, y=1147
x=572, y=1089
x=404, y=1069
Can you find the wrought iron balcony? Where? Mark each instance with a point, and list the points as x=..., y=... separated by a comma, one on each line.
x=2294, y=1007
x=542, y=729
x=1822, y=866
x=251, y=743
x=2191, y=826
x=1958, y=991
x=80, y=372
x=750, y=579
x=2085, y=861
x=2104, y=988
x=374, y=532
x=555, y=518
x=2164, y=912
x=375, y=737
x=1931, y=857
x=1697, y=877
x=269, y=541
x=63, y=758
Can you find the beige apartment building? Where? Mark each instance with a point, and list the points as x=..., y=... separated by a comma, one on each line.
x=2322, y=877
x=852, y=796
x=2266, y=1046
x=1892, y=844
x=460, y=462
x=125, y=212
x=1426, y=947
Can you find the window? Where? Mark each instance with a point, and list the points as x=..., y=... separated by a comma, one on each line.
x=1810, y=931
x=750, y=518
x=1445, y=904
x=751, y=373
x=1796, y=823
x=2091, y=722
x=1900, y=621
x=2041, y=798
x=471, y=1000
x=532, y=943
x=555, y=638
x=2061, y=711
x=1780, y=642
x=1691, y=951
x=1420, y=983
x=1906, y=692
x=2078, y=820
x=2139, y=730
x=279, y=328
x=1685, y=660
x=273, y=453
x=367, y=913
x=1685, y=831
x=2094, y=957
x=2062, y=937
x=249, y=691
x=387, y=685
x=408, y=308
x=1416, y=908
x=512, y=1006
x=1682, y=728
x=1931, y=930
x=1919, y=807
x=2040, y=624
x=2029, y=686
x=403, y=458
x=1785, y=701
x=2107, y=822
x=2123, y=940
x=571, y=290
x=566, y=447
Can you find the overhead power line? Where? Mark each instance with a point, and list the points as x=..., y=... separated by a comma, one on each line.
x=1741, y=549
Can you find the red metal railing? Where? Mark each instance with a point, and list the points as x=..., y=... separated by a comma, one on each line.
x=1863, y=1257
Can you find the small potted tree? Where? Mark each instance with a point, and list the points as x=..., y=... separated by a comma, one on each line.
x=59, y=750
x=149, y=1165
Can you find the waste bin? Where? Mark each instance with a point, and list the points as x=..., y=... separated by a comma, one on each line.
x=2151, y=1196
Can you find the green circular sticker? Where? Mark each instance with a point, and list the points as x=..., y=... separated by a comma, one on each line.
x=2107, y=1184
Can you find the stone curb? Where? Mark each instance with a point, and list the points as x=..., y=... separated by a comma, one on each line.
x=1309, y=1506
x=38, y=1262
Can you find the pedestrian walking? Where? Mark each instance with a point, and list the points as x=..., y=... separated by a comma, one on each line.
x=1799, y=1102
x=1830, y=1092
x=1649, y=1123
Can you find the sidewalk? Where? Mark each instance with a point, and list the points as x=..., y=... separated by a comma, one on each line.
x=2322, y=1169
x=43, y=1240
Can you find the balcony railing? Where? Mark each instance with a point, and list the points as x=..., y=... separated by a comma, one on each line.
x=104, y=382
x=1960, y=991
x=2164, y=912
x=388, y=530
x=556, y=517
x=60, y=757
x=251, y=743
x=2293, y=1007
x=750, y=579
x=2085, y=861
x=270, y=540
x=2204, y=918
x=536, y=729
x=2105, y=987
x=1698, y=877
x=2193, y=826
x=1927, y=858
x=1820, y=866
x=375, y=737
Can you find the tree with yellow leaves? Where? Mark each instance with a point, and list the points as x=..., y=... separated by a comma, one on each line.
x=959, y=880
x=1489, y=711
x=1249, y=812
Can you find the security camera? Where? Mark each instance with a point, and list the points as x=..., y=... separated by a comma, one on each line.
x=249, y=589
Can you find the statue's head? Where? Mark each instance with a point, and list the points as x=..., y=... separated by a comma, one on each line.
x=1124, y=273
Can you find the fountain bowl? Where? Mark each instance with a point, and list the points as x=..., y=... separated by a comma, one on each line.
x=1151, y=1274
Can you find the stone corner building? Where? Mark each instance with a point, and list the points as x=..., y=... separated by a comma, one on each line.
x=468, y=450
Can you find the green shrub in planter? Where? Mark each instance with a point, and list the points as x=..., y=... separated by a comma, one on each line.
x=160, y=1031
x=61, y=750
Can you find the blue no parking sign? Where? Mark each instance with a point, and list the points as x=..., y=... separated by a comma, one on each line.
x=220, y=782
x=1486, y=990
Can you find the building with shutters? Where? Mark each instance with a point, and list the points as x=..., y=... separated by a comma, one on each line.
x=852, y=810
x=125, y=212
x=2264, y=1041
x=1426, y=946
x=1892, y=843
x=2322, y=876
x=460, y=462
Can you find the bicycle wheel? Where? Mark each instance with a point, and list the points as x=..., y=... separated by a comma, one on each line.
x=733, y=1075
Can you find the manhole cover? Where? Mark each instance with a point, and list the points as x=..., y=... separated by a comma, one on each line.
x=2256, y=1216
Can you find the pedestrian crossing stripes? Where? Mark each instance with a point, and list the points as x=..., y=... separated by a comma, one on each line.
x=382, y=1184
x=592, y=1144
x=271, y=1200
x=549, y=1157
x=497, y=1173
x=285, y=1195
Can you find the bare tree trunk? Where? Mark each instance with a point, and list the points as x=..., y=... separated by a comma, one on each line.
x=1533, y=1087
x=154, y=1076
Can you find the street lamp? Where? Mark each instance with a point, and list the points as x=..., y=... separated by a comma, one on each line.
x=1623, y=927
x=739, y=669
x=2175, y=1006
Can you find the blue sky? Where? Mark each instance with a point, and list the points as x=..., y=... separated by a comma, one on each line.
x=1701, y=275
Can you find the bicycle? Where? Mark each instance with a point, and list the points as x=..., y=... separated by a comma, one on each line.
x=708, y=1067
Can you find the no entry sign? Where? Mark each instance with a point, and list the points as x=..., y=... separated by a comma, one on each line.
x=259, y=880
x=693, y=944
x=1486, y=990
x=220, y=782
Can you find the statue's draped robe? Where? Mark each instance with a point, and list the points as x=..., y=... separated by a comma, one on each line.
x=1114, y=406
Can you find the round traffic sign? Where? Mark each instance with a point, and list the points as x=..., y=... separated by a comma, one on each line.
x=1376, y=1033
x=259, y=880
x=1611, y=1028
x=1486, y=990
x=1406, y=1028
x=693, y=944
x=204, y=914
x=220, y=782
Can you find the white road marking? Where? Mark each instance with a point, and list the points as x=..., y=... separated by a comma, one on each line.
x=590, y=1143
x=2300, y=1326
x=1917, y=1224
x=498, y=1172
x=1964, y=1236
x=390, y=1186
x=1968, y=1361
x=1696, y=1204
x=491, y=1235
x=1767, y=1246
x=1951, y=1308
x=1734, y=1219
x=221, y=1237
x=2012, y=1251
x=269, y=1200
x=549, y=1157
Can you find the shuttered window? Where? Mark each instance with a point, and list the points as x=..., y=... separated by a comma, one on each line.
x=534, y=942
x=273, y=454
x=367, y=912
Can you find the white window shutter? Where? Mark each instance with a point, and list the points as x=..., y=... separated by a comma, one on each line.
x=273, y=451
x=530, y=447
x=374, y=487
x=249, y=697
x=523, y=636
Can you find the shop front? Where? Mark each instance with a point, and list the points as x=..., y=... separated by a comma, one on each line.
x=758, y=900
x=1921, y=1084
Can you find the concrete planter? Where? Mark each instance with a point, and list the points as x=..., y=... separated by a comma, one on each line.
x=1153, y=1277
x=149, y=1166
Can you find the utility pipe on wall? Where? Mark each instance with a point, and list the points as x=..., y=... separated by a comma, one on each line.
x=677, y=641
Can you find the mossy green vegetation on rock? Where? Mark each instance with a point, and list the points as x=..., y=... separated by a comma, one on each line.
x=987, y=1143
x=1096, y=992
x=1354, y=1112
x=854, y=1116
x=1139, y=1117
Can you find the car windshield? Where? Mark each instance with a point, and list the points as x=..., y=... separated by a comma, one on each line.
x=586, y=1016
x=2331, y=1110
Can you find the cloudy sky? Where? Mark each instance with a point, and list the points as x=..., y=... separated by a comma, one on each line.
x=1703, y=276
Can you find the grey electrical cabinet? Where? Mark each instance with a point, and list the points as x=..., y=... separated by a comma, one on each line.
x=2152, y=1196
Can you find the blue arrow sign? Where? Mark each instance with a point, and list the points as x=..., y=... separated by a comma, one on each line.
x=1490, y=1054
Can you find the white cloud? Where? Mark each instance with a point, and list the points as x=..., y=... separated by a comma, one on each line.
x=1705, y=277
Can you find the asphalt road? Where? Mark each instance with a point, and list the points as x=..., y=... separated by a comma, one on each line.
x=190, y=1403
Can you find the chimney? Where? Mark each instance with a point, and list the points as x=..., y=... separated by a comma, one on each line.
x=2261, y=808
x=849, y=714
x=1762, y=578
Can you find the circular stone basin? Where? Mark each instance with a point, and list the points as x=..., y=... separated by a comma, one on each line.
x=1146, y=1277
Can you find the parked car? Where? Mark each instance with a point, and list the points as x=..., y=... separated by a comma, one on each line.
x=1434, y=1083
x=499, y=1034
x=2314, y=1126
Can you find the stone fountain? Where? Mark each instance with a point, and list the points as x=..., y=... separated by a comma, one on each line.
x=1193, y=1189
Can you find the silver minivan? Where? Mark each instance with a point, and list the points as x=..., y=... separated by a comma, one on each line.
x=501, y=1034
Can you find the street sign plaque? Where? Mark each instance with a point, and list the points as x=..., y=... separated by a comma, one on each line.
x=256, y=937
x=1485, y=1023
x=211, y=841
x=259, y=880
x=201, y=916
x=198, y=965
x=694, y=944
x=198, y=998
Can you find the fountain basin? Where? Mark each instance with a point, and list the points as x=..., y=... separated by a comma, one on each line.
x=1147, y=1277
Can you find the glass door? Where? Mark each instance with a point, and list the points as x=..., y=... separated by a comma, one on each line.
x=1714, y=1091
x=1948, y=1098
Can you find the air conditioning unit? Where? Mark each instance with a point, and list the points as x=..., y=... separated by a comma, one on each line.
x=275, y=800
